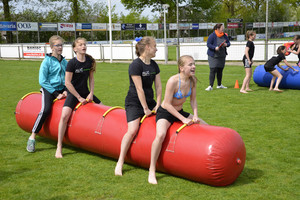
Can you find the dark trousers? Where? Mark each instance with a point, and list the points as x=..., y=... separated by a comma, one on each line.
x=212, y=74
x=47, y=100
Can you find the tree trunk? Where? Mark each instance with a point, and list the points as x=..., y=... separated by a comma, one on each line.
x=7, y=17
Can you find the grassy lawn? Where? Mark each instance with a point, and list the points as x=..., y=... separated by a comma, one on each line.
x=267, y=121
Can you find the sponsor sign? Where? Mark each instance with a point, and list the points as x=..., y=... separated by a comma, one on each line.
x=184, y=26
x=140, y=27
x=194, y=26
x=99, y=26
x=27, y=26
x=128, y=27
x=66, y=26
x=161, y=27
x=234, y=25
x=259, y=25
x=249, y=25
x=152, y=27
x=8, y=26
x=234, y=20
x=173, y=26
x=114, y=27
x=33, y=52
x=83, y=26
x=203, y=26
x=48, y=26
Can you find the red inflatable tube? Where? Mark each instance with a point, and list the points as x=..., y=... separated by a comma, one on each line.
x=203, y=153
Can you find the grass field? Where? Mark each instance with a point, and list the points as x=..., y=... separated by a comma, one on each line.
x=267, y=121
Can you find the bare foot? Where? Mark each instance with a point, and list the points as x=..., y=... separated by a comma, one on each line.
x=243, y=91
x=270, y=89
x=277, y=90
x=249, y=90
x=58, y=153
x=118, y=170
x=152, y=178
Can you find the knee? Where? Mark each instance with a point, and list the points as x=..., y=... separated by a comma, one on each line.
x=160, y=137
x=65, y=117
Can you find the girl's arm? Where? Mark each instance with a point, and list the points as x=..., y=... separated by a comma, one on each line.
x=170, y=89
x=247, y=55
x=91, y=85
x=69, y=85
x=289, y=66
x=137, y=80
x=158, y=91
x=194, y=105
x=295, y=52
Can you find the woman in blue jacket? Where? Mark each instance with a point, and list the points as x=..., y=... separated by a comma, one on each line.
x=217, y=43
x=52, y=81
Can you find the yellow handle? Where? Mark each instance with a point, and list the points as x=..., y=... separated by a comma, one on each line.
x=153, y=112
x=181, y=127
x=54, y=100
x=29, y=94
x=112, y=108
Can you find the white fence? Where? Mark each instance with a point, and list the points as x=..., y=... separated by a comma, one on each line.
x=127, y=51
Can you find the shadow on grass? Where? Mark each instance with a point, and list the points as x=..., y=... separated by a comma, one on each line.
x=248, y=176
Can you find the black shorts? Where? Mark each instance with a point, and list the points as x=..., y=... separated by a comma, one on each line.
x=268, y=69
x=135, y=112
x=164, y=114
x=246, y=63
x=72, y=101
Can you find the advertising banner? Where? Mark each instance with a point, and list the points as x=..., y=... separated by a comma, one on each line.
x=203, y=26
x=173, y=26
x=128, y=27
x=114, y=27
x=27, y=26
x=152, y=27
x=140, y=27
x=48, y=26
x=66, y=26
x=99, y=26
x=194, y=26
x=33, y=51
x=83, y=26
x=184, y=26
x=8, y=26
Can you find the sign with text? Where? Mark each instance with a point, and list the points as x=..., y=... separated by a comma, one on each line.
x=27, y=26
x=33, y=52
x=8, y=26
x=233, y=20
x=48, y=26
x=127, y=27
x=83, y=26
x=140, y=27
x=114, y=27
x=66, y=26
x=99, y=26
x=152, y=27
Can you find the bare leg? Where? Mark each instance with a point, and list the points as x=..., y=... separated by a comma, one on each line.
x=277, y=74
x=32, y=136
x=246, y=80
x=249, y=79
x=272, y=82
x=133, y=127
x=162, y=126
x=65, y=115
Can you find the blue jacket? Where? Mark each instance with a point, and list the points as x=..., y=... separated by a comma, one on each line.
x=212, y=44
x=52, y=74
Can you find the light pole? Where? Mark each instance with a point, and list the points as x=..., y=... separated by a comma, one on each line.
x=165, y=7
x=266, y=31
x=178, y=46
x=110, y=30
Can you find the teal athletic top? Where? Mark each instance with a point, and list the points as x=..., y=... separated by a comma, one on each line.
x=179, y=95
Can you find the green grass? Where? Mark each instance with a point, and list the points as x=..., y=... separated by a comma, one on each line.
x=267, y=121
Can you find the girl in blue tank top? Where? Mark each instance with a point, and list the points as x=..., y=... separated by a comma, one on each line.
x=179, y=88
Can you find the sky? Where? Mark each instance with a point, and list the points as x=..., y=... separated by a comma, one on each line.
x=120, y=8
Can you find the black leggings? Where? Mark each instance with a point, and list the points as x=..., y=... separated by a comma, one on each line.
x=213, y=72
x=47, y=100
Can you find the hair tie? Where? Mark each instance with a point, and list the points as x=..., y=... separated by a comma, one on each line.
x=137, y=39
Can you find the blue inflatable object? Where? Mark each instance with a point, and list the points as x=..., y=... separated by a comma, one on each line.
x=290, y=80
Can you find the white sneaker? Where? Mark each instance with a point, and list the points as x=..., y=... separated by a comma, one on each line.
x=221, y=87
x=209, y=88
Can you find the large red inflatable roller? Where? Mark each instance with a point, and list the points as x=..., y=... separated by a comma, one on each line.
x=208, y=154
